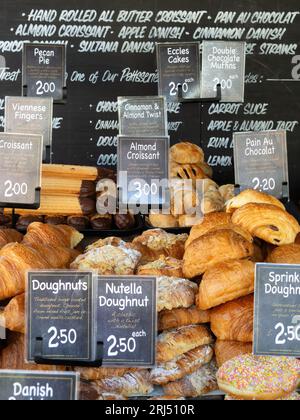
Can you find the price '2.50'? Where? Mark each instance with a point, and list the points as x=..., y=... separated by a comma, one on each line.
x=15, y=189
x=61, y=337
x=292, y=334
x=123, y=345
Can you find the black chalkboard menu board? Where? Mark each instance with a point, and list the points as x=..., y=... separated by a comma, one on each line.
x=111, y=52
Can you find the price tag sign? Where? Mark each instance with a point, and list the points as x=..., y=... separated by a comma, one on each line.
x=38, y=386
x=277, y=310
x=261, y=162
x=143, y=170
x=127, y=320
x=44, y=70
x=20, y=169
x=30, y=115
x=143, y=116
x=60, y=312
x=223, y=63
x=179, y=64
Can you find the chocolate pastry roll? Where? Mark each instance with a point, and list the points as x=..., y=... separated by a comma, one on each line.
x=102, y=222
x=124, y=221
x=79, y=222
x=88, y=189
x=24, y=221
x=55, y=220
x=5, y=221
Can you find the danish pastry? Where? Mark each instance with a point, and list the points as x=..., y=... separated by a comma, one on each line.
x=173, y=343
x=233, y=321
x=175, y=293
x=186, y=152
x=181, y=317
x=252, y=196
x=212, y=248
x=226, y=281
x=165, y=266
x=267, y=222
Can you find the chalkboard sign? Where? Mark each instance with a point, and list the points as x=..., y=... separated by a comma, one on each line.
x=143, y=116
x=261, y=161
x=143, y=170
x=178, y=64
x=30, y=115
x=223, y=63
x=20, y=169
x=126, y=320
x=60, y=312
x=112, y=52
x=44, y=70
x=38, y=386
x=277, y=310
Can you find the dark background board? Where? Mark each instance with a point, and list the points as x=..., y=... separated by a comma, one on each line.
x=79, y=141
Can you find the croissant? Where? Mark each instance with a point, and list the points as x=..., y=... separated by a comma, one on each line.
x=9, y=235
x=174, y=343
x=212, y=201
x=213, y=248
x=227, y=350
x=226, y=281
x=233, y=321
x=177, y=318
x=267, y=222
x=165, y=266
x=60, y=235
x=13, y=316
x=57, y=257
x=174, y=293
x=96, y=374
x=252, y=196
x=129, y=385
x=286, y=254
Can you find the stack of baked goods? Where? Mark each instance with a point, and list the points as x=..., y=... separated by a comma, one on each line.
x=249, y=377
x=193, y=193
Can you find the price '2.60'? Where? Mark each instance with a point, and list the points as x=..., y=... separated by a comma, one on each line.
x=15, y=189
x=61, y=337
x=122, y=345
x=44, y=88
x=292, y=334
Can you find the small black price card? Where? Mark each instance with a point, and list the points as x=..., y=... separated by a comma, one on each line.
x=38, y=386
x=143, y=116
x=30, y=115
x=127, y=320
x=179, y=64
x=60, y=312
x=223, y=63
x=261, y=162
x=277, y=310
x=143, y=170
x=20, y=169
x=44, y=70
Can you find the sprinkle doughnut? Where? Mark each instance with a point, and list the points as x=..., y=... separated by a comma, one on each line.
x=293, y=397
x=259, y=377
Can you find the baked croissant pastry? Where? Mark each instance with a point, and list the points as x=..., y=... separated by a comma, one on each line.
x=227, y=192
x=267, y=222
x=233, y=321
x=210, y=221
x=129, y=385
x=213, y=248
x=61, y=235
x=165, y=266
x=252, y=196
x=226, y=281
x=175, y=293
x=9, y=235
x=154, y=243
x=13, y=316
x=183, y=365
x=96, y=374
x=198, y=383
x=173, y=343
x=186, y=152
x=57, y=257
x=286, y=254
x=181, y=317
x=227, y=350
x=187, y=171
x=212, y=201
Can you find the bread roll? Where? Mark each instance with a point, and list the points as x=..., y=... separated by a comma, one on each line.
x=233, y=321
x=226, y=281
x=227, y=350
x=213, y=248
x=252, y=196
x=267, y=222
x=177, y=318
x=173, y=343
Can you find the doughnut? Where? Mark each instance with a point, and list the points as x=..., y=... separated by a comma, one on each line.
x=259, y=377
x=293, y=397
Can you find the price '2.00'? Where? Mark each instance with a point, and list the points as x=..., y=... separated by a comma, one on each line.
x=44, y=88
x=122, y=345
x=61, y=337
x=15, y=189
x=174, y=88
